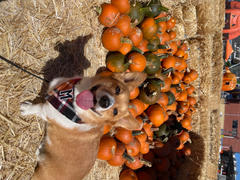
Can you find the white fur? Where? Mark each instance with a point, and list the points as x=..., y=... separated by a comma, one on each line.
x=46, y=111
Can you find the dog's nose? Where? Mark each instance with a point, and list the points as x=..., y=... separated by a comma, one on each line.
x=104, y=101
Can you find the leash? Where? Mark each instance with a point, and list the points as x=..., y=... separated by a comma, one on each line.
x=24, y=70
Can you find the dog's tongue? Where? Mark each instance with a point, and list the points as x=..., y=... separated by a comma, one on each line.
x=85, y=99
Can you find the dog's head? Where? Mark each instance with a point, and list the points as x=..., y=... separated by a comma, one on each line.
x=110, y=96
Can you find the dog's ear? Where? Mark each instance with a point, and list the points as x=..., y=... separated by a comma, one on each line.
x=131, y=79
x=128, y=122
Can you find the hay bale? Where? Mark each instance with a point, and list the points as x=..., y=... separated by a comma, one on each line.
x=207, y=21
x=49, y=38
x=170, y=3
x=193, y=63
x=217, y=67
x=190, y=20
x=179, y=27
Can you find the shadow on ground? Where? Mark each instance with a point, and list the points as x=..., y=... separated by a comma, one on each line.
x=70, y=62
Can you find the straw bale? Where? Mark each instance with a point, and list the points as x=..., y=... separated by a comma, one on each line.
x=207, y=21
x=193, y=63
x=221, y=14
x=50, y=38
x=217, y=67
x=190, y=20
x=170, y=3
x=179, y=27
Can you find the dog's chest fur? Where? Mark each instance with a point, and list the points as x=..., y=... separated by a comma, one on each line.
x=66, y=151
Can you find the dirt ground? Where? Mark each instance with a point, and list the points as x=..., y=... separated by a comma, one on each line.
x=54, y=38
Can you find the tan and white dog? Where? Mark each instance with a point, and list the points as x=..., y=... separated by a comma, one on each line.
x=76, y=111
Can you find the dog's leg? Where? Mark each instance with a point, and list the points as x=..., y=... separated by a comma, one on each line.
x=27, y=108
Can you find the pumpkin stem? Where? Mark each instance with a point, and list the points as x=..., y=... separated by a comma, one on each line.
x=151, y=146
x=128, y=157
x=163, y=56
x=154, y=129
x=161, y=19
x=167, y=71
x=98, y=10
x=146, y=163
x=135, y=133
x=160, y=46
x=137, y=50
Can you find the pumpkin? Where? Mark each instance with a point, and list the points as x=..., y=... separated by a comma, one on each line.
x=134, y=93
x=107, y=148
x=128, y=174
x=136, y=36
x=162, y=26
x=118, y=159
x=229, y=81
x=147, y=128
x=115, y=62
x=182, y=107
x=149, y=28
x=137, y=62
x=186, y=122
x=171, y=23
x=122, y=5
x=124, y=135
x=156, y=114
x=163, y=99
x=126, y=47
x=138, y=106
x=143, y=45
x=169, y=62
x=124, y=24
x=136, y=13
x=184, y=137
x=190, y=89
x=111, y=39
x=109, y=15
x=136, y=164
x=172, y=35
x=153, y=63
x=133, y=147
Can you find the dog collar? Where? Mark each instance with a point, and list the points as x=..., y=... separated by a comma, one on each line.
x=61, y=98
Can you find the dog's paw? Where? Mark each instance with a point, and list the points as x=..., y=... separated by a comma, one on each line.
x=25, y=108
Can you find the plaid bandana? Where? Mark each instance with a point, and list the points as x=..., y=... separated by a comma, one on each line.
x=62, y=97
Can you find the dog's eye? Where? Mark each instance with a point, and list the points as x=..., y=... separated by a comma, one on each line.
x=117, y=90
x=115, y=111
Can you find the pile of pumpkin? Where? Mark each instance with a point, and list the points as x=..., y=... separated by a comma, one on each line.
x=140, y=37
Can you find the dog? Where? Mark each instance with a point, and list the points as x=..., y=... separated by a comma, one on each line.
x=76, y=110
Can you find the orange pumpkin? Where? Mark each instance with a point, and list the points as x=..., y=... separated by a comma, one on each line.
x=136, y=164
x=107, y=148
x=229, y=81
x=133, y=147
x=128, y=174
x=136, y=36
x=124, y=135
x=156, y=114
x=109, y=15
x=163, y=99
x=117, y=159
x=134, y=93
x=137, y=62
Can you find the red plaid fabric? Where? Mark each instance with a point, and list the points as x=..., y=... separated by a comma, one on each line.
x=62, y=98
